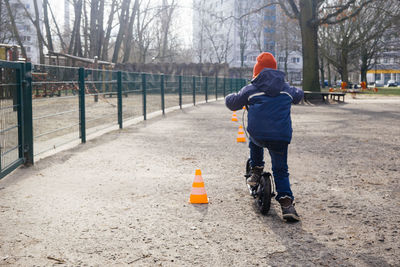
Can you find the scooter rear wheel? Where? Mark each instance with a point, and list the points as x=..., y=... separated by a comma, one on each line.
x=264, y=193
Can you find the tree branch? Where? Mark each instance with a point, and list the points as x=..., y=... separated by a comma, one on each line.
x=340, y=10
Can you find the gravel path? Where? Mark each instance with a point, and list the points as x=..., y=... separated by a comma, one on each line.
x=122, y=198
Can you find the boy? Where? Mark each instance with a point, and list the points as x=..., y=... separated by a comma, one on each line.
x=268, y=99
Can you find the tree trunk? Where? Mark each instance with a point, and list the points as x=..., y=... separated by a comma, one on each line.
x=47, y=25
x=166, y=23
x=77, y=25
x=14, y=28
x=329, y=74
x=364, y=64
x=63, y=45
x=93, y=28
x=122, y=23
x=100, y=29
x=344, y=69
x=38, y=32
x=104, y=53
x=85, y=31
x=129, y=33
x=309, y=36
x=321, y=68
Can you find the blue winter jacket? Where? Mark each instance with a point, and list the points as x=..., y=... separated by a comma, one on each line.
x=269, y=99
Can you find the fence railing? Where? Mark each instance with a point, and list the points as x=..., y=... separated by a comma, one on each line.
x=67, y=104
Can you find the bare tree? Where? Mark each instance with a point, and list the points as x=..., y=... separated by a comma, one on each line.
x=242, y=25
x=5, y=29
x=104, y=54
x=75, y=45
x=167, y=10
x=200, y=16
x=129, y=33
x=123, y=19
x=63, y=45
x=47, y=26
x=311, y=14
x=143, y=37
x=14, y=28
x=287, y=39
x=219, y=39
x=40, y=38
x=355, y=38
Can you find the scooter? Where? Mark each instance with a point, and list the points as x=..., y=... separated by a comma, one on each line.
x=263, y=192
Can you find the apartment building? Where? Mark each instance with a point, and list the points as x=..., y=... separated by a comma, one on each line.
x=26, y=29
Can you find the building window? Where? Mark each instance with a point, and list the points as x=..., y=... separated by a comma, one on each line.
x=281, y=59
x=295, y=59
x=28, y=49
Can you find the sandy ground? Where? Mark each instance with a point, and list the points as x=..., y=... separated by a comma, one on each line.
x=122, y=198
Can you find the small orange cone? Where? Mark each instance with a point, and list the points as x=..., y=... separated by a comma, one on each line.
x=198, y=194
x=234, y=116
x=241, y=138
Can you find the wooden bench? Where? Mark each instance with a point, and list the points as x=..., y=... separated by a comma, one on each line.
x=324, y=95
x=337, y=95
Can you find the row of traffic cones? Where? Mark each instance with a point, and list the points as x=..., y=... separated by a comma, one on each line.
x=241, y=138
x=198, y=194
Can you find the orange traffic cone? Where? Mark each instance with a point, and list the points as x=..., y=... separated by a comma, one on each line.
x=241, y=138
x=198, y=194
x=234, y=117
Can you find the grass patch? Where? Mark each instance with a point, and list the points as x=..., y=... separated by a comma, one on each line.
x=386, y=91
x=381, y=91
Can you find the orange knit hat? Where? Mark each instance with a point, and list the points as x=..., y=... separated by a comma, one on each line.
x=264, y=60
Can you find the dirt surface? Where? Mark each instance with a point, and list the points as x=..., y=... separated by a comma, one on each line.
x=122, y=198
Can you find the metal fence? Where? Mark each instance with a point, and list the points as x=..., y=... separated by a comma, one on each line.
x=43, y=107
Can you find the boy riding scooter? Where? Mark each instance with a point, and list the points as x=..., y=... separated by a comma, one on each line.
x=268, y=99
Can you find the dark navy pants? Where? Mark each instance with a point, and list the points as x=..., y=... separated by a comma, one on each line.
x=278, y=151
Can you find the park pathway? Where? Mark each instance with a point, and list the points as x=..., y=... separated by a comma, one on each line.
x=122, y=198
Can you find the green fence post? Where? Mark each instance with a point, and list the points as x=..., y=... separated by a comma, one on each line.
x=19, y=92
x=180, y=90
x=144, y=94
x=230, y=85
x=27, y=114
x=162, y=94
x=119, y=94
x=194, y=90
x=216, y=88
x=224, y=87
x=82, y=119
x=206, y=89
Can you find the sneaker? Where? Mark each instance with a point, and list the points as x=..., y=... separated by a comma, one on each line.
x=256, y=172
x=288, y=211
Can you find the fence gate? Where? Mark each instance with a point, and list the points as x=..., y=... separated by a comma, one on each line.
x=14, y=96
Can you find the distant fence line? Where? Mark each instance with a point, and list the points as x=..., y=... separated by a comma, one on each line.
x=44, y=107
